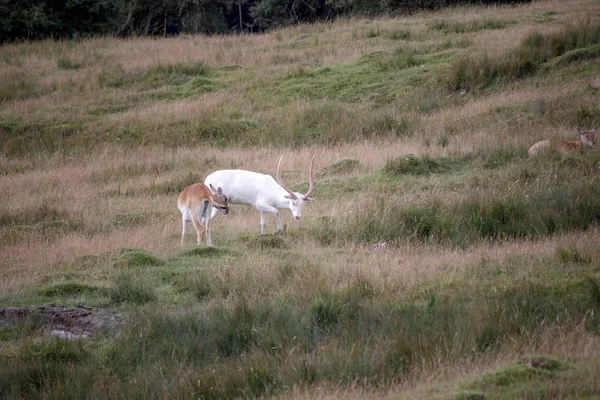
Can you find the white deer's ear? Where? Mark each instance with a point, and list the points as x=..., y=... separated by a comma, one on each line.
x=580, y=132
x=594, y=130
x=289, y=197
x=307, y=199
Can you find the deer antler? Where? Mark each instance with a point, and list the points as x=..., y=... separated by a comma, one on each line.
x=311, y=179
x=292, y=194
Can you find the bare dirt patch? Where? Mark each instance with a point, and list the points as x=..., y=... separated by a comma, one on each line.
x=81, y=321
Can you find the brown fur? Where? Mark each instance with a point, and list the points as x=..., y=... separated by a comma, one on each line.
x=193, y=199
x=586, y=139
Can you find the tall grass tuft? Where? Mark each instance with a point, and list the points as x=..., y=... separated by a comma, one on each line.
x=130, y=289
x=156, y=76
x=42, y=221
x=535, y=50
x=475, y=219
x=55, y=350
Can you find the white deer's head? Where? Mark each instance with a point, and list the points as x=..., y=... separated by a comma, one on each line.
x=219, y=199
x=297, y=200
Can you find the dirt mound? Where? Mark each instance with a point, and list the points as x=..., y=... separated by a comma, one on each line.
x=82, y=321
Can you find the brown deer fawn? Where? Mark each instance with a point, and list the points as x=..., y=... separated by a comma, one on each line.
x=196, y=203
x=564, y=146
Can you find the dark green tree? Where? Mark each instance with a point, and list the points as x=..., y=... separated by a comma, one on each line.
x=36, y=19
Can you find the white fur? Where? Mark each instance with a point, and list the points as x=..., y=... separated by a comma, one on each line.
x=259, y=191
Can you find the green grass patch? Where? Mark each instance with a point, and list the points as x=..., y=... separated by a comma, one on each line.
x=174, y=186
x=19, y=137
x=399, y=34
x=164, y=81
x=130, y=219
x=533, y=376
x=136, y=258
x=572, y=255
x=69, y=289
x=131, y=289
x=209, y=252
x=579, y=54
x=214, y=131
x=43, y=221
x=413, y=165
x=29, y=325
x=403, y=57
x=68, y=64
x=342, y=167
x=19, y=85
x=54, y=350
x=546, y=17
x=328, y=309
x=198, y=283
x=102, y=110
x=432, y=323
x=447, y=26
x=475, y=219
x=380, y=77
x=41, y=214
x=264, y=242
x=579, y=41
x=126, y=172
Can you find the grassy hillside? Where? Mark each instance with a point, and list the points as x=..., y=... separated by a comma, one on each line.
x=437, y=260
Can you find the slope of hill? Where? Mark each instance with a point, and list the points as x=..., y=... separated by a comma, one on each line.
x=437, y=260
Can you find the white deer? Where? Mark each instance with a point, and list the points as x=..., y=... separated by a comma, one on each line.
x=196, y=203
x=261, y=192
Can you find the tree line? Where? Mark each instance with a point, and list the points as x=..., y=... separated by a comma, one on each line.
x=38, y=19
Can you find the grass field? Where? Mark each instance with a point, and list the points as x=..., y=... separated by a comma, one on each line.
x=437, y=260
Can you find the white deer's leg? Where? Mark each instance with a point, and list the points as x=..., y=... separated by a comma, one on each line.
x=264, y=212
x=278, y=220
x=263, y=221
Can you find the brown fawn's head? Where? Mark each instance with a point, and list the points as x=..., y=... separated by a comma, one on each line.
x=587, y=137
x=219, y=199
